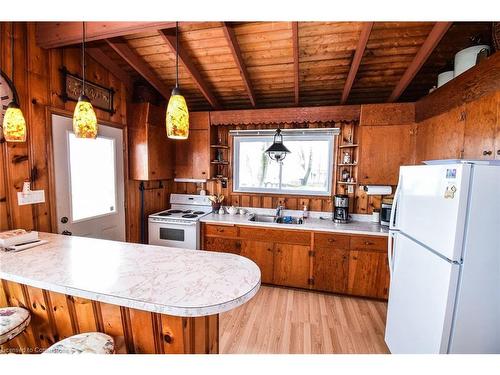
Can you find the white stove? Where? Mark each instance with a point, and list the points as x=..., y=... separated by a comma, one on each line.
x=179, y=226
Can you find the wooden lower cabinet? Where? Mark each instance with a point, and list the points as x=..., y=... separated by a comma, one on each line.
x=291, y=265
x=223, y=245
x=368, y=274
x=330, y=262
x=331, y=267
x=262, y=253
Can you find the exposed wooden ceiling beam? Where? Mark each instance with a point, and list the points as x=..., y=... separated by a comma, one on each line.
x=191, y=68
x=432, y=40
x=366, y=29
x=60, y=34
x=135, y=61
x=295, y=38
x=238, y=58
x=103, y=59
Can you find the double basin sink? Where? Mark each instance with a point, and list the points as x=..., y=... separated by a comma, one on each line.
x=276, y=219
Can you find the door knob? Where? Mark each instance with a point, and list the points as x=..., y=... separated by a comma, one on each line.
x=64, y=220
x=66, y=233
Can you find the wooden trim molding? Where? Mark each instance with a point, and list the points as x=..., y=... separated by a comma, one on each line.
x=346, y=113
x=356, y=60
x=476, y=82
x=238, y=58
x=432, y=40
x=191, y=68
x=135, y=61
x=60, y=34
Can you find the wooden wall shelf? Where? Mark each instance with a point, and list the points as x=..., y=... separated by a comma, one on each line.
x=220, y=146
x=348, y=146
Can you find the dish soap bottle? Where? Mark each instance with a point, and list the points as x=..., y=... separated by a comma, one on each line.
x=305, y=213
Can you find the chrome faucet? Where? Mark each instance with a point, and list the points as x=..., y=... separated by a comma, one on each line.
x=279, y=212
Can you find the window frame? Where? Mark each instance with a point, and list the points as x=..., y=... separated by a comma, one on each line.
x=304, y=135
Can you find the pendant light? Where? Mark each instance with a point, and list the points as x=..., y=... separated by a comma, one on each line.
x=177, y=118
x=14, y=124
x=84, y=118
x=277, y=151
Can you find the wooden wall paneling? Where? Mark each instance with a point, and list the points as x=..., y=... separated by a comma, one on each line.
x=113, y=325
x=171, y=333
x=17, y=154
x=41, y=316
x=85, y=314
x=63, y=314
x=142, y=331
x=387, y=114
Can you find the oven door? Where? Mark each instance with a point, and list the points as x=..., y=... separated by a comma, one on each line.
x=184, y=235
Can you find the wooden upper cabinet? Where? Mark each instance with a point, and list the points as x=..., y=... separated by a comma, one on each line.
x=383, y=149
x=482, y=128
x=151, y=153
x=193, y=154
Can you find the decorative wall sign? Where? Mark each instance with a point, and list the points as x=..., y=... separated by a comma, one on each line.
x=100, y=96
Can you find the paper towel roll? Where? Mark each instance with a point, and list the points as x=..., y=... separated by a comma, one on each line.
x=378, y=190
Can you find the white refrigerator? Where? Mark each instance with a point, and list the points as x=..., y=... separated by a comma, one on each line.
x=444, y=259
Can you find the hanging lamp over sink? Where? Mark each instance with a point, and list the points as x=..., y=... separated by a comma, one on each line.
x=177, y=118
x=84, y=117
x=277, y=151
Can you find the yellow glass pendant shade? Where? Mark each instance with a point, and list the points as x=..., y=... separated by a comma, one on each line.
x=84, y=119
x=177, y=116
x=14, y=125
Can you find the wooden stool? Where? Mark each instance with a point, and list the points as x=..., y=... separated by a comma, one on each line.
x=90, y=342
x=13, y=321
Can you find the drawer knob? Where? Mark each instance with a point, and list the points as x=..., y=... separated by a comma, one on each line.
x=498, y=152
x=368, y=243
x=331, y=240
x=487, y=152
x=220, y=230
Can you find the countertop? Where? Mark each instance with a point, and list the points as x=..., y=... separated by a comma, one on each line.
x=311, y=223
x=169, y=281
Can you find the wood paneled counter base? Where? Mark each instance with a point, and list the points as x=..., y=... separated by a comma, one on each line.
x=56, y=316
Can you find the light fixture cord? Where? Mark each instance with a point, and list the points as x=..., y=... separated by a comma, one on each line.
x=12, y=50
x=176, y=54
x=83, y=58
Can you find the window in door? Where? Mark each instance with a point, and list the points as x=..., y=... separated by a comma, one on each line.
x=307, y=170
x=92, y=177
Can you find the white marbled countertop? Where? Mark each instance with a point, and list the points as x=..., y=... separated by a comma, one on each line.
x=169, y=281
x=359, y=225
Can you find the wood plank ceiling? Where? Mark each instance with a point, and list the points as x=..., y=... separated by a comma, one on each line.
x=281, y=64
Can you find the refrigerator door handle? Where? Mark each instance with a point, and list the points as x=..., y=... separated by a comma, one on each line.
x=392, y=223
x=390, y=252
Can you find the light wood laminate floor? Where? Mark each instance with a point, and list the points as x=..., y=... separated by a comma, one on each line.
x=281, y=320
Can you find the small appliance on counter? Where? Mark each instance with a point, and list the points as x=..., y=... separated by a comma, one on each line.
x=385, y=211
x=341, y=209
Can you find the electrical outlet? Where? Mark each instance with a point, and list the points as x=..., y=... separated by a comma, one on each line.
x=31, y=197
x=350, y=189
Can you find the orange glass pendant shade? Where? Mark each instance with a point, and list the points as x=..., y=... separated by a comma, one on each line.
x=14, y=124
x=177, y=119
x=84, y=119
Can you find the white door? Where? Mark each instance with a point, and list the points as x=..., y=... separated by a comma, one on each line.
x=431, y=205
x=421, y=299
x=89, y=182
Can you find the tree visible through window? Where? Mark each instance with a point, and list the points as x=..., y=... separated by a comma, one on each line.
x=307, y=170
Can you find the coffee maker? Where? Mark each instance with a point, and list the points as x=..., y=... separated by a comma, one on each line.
x=341, y=209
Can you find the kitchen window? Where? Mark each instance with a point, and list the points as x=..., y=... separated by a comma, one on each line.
x=306, y=170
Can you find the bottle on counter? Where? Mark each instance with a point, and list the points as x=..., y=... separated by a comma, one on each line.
x=305, y=212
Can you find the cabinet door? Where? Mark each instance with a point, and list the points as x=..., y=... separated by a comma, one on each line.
x=331, y=266
x=291, y=265
x=383, y=149
x=222, y=245
x=481, y=128
x=262, y=254
x=368, y=274
x=192, y=155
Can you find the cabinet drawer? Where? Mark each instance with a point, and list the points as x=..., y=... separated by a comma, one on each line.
x=368, y=243
x=273, y=235
x=221, y=230
x=337, y=241
x=222, y=245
